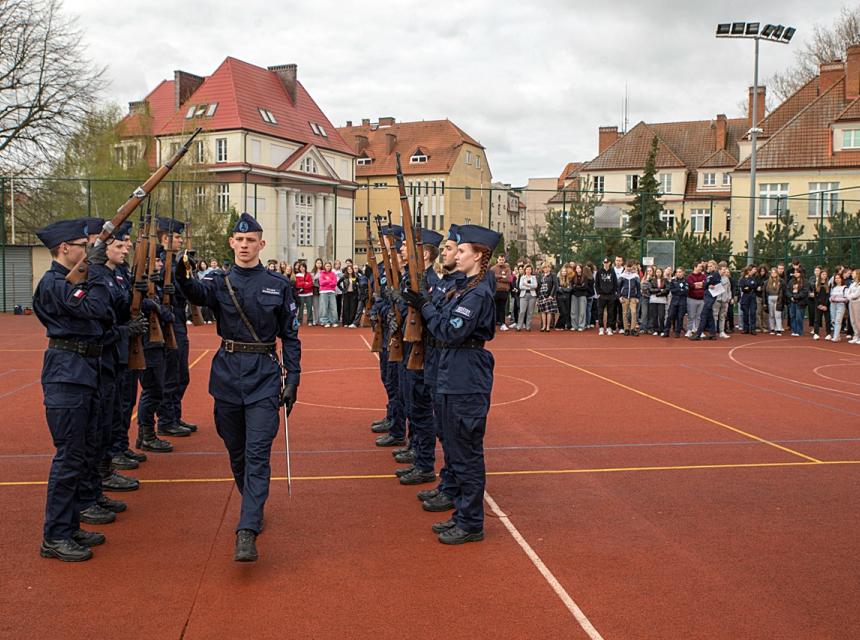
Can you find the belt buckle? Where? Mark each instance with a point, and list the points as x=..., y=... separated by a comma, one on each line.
x=228, y=346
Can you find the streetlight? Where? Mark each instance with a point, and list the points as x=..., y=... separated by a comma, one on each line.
x=771, y=33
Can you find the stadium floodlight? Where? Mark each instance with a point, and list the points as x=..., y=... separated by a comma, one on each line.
x=772, y=33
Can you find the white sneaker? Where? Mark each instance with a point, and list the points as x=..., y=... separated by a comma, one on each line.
x=335, y=324
x=836, y=340
x=828, y=337
x=583, y=330
x=815, y=336
x=623, y=332
x=503, y=327
x=609, y=332
x=600, y=333
x=724, y=335
x=688, y=334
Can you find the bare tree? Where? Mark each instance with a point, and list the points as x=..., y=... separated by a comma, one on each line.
x=825, y=45
x=47, y=86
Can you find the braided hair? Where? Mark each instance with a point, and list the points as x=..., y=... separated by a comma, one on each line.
x=486, y=253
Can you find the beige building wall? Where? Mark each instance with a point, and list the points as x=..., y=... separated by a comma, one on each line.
x=538, y=193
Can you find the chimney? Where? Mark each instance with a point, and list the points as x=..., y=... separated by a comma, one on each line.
x=762, y=94
x=829, y=73
x=720, y=132
x=365, y=122
x=287, y=75
x=852, y=72
x=390, y=141
x=605, y=137
x=184, y=84
x=349, y=123
x=360, y=143
x=386, y=121
x=139, y=107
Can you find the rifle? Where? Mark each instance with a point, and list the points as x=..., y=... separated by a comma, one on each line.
x=395, y=342
x=376, y=347
x=414, y=332
x=196, y=315
x=155, y=334
x=169, y=334
x=79, y=273
x=136, y=359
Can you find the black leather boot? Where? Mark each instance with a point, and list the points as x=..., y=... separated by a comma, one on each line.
x=148, y=441
x=246, y=546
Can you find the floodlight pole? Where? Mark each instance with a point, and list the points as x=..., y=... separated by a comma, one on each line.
x=753, y=139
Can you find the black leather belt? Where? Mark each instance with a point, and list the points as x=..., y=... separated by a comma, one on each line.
x=85, y=349
x=231, y=346
x=471, y=343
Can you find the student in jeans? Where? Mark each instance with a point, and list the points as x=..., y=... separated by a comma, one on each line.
x=315, y=273
x=678, y=288
x=328, y=302
x=645, y=300
x=658, y=299
x=562, y=298
x=629, y=290
x=304, y=284
x=797, y=297
x=822, y=305
x=748, y=285
x=528, y=297
x=706, y=316
x=853, y=295
x=761, y=275
x=723, y=302
x=695, y=297
x=515, y=295
x=606, y=286
x=579, y=299
x=838, y=303
x=774, y=290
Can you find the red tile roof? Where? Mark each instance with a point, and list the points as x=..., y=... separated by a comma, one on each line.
x=850, y=113
x=788, y=109
x=805, y=141
x=570, y=171
x=240, y=89
x=440, y=140
x=159, y=109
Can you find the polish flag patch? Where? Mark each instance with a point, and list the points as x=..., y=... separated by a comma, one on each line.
x=79, y=293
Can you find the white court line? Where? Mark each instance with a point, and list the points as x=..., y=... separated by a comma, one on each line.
x=574, y=609
x=553, y=582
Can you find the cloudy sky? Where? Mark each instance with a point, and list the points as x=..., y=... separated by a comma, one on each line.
x=531, y=80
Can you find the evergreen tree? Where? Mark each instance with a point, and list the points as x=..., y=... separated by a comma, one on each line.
x=691, y=247
x=837, y=241
x=646, y=208
x=513, y=253
x=777, y=241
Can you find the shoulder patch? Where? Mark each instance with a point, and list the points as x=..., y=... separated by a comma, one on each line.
x=79, y=293
x=270, y=291
x=295, y=324
x=463, y=311
x=455, y=322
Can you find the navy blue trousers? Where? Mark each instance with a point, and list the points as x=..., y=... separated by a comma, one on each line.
x=248, y=432
x=445, y=483
x=675, y=319
x=176, y=379
x=152, y=389
x=126, y=399
x=91, y=486
x=419, y=410
x=748, y=309
x=464, y=422
x=71, y=411
x=706, y=320
x=395, y=408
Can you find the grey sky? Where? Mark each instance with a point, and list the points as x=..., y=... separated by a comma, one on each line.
x=531, y=80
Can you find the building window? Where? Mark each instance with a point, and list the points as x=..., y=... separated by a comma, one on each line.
x=119, y=155
x=200, y=195
x=772, y=198
x=468, y=192
x=318, y=129
x=468, y=157
x=363, y=162
x=132, y=156
x=426, y=187
x=823, y=199
x=210, y=111
x=851, y=139
x=709, y=179
x=700, y=220
x=442, y=187
x=477, y=161
x=304, y=218
x=598, y=183
x=174, y=148
x=199, y=152
x=727, y=179
x=308, y=165
x=418, y=158
x=220, y=149
x=667, y=216
x=222, y=200
x=267, y=116
x=632, y=183
x=665, y=183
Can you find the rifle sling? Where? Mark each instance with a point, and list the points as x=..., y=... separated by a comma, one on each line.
x=242, y=315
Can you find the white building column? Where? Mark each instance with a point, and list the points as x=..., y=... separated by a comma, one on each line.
x=283, y=222
x=319, y=227
x=292, y=226
x=328, y=225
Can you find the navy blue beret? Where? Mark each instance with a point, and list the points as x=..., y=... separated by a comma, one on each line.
x=93, y=225
x=475, y=234
x=123, y=230
x=61, y=231
x=431, y=237
x=247, y=224
x=452, y=232
x=170, y=225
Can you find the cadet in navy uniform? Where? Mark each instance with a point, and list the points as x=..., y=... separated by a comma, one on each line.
x=441, y=498
x=176, y=374
x=74, y=317
x=396, y=436
x=379, y=313
x=464, y=379
x=415, y=391
x=152, y=378
x=246, y=376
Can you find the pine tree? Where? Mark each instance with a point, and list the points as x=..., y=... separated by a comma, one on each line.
x=776, y=242
x=646, y=208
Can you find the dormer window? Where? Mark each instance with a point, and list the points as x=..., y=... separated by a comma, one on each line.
x=363, y=162
x=418, y=158
x=318, y=129
x=267, y=115
x=308, y=165
x=851, y=139
x=201, y=110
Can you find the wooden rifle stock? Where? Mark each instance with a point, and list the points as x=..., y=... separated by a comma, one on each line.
x=372, y=284
x=79, y=273
x=196, y=314
x=395, y=340
x=155, y=334
x=414, y=332
x=136, y=358
x=169, y=334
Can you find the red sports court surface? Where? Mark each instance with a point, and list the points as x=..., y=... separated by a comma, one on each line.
x=640, y=488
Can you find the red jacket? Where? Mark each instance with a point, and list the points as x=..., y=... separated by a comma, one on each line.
x=696, y=293
x=304, y=283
